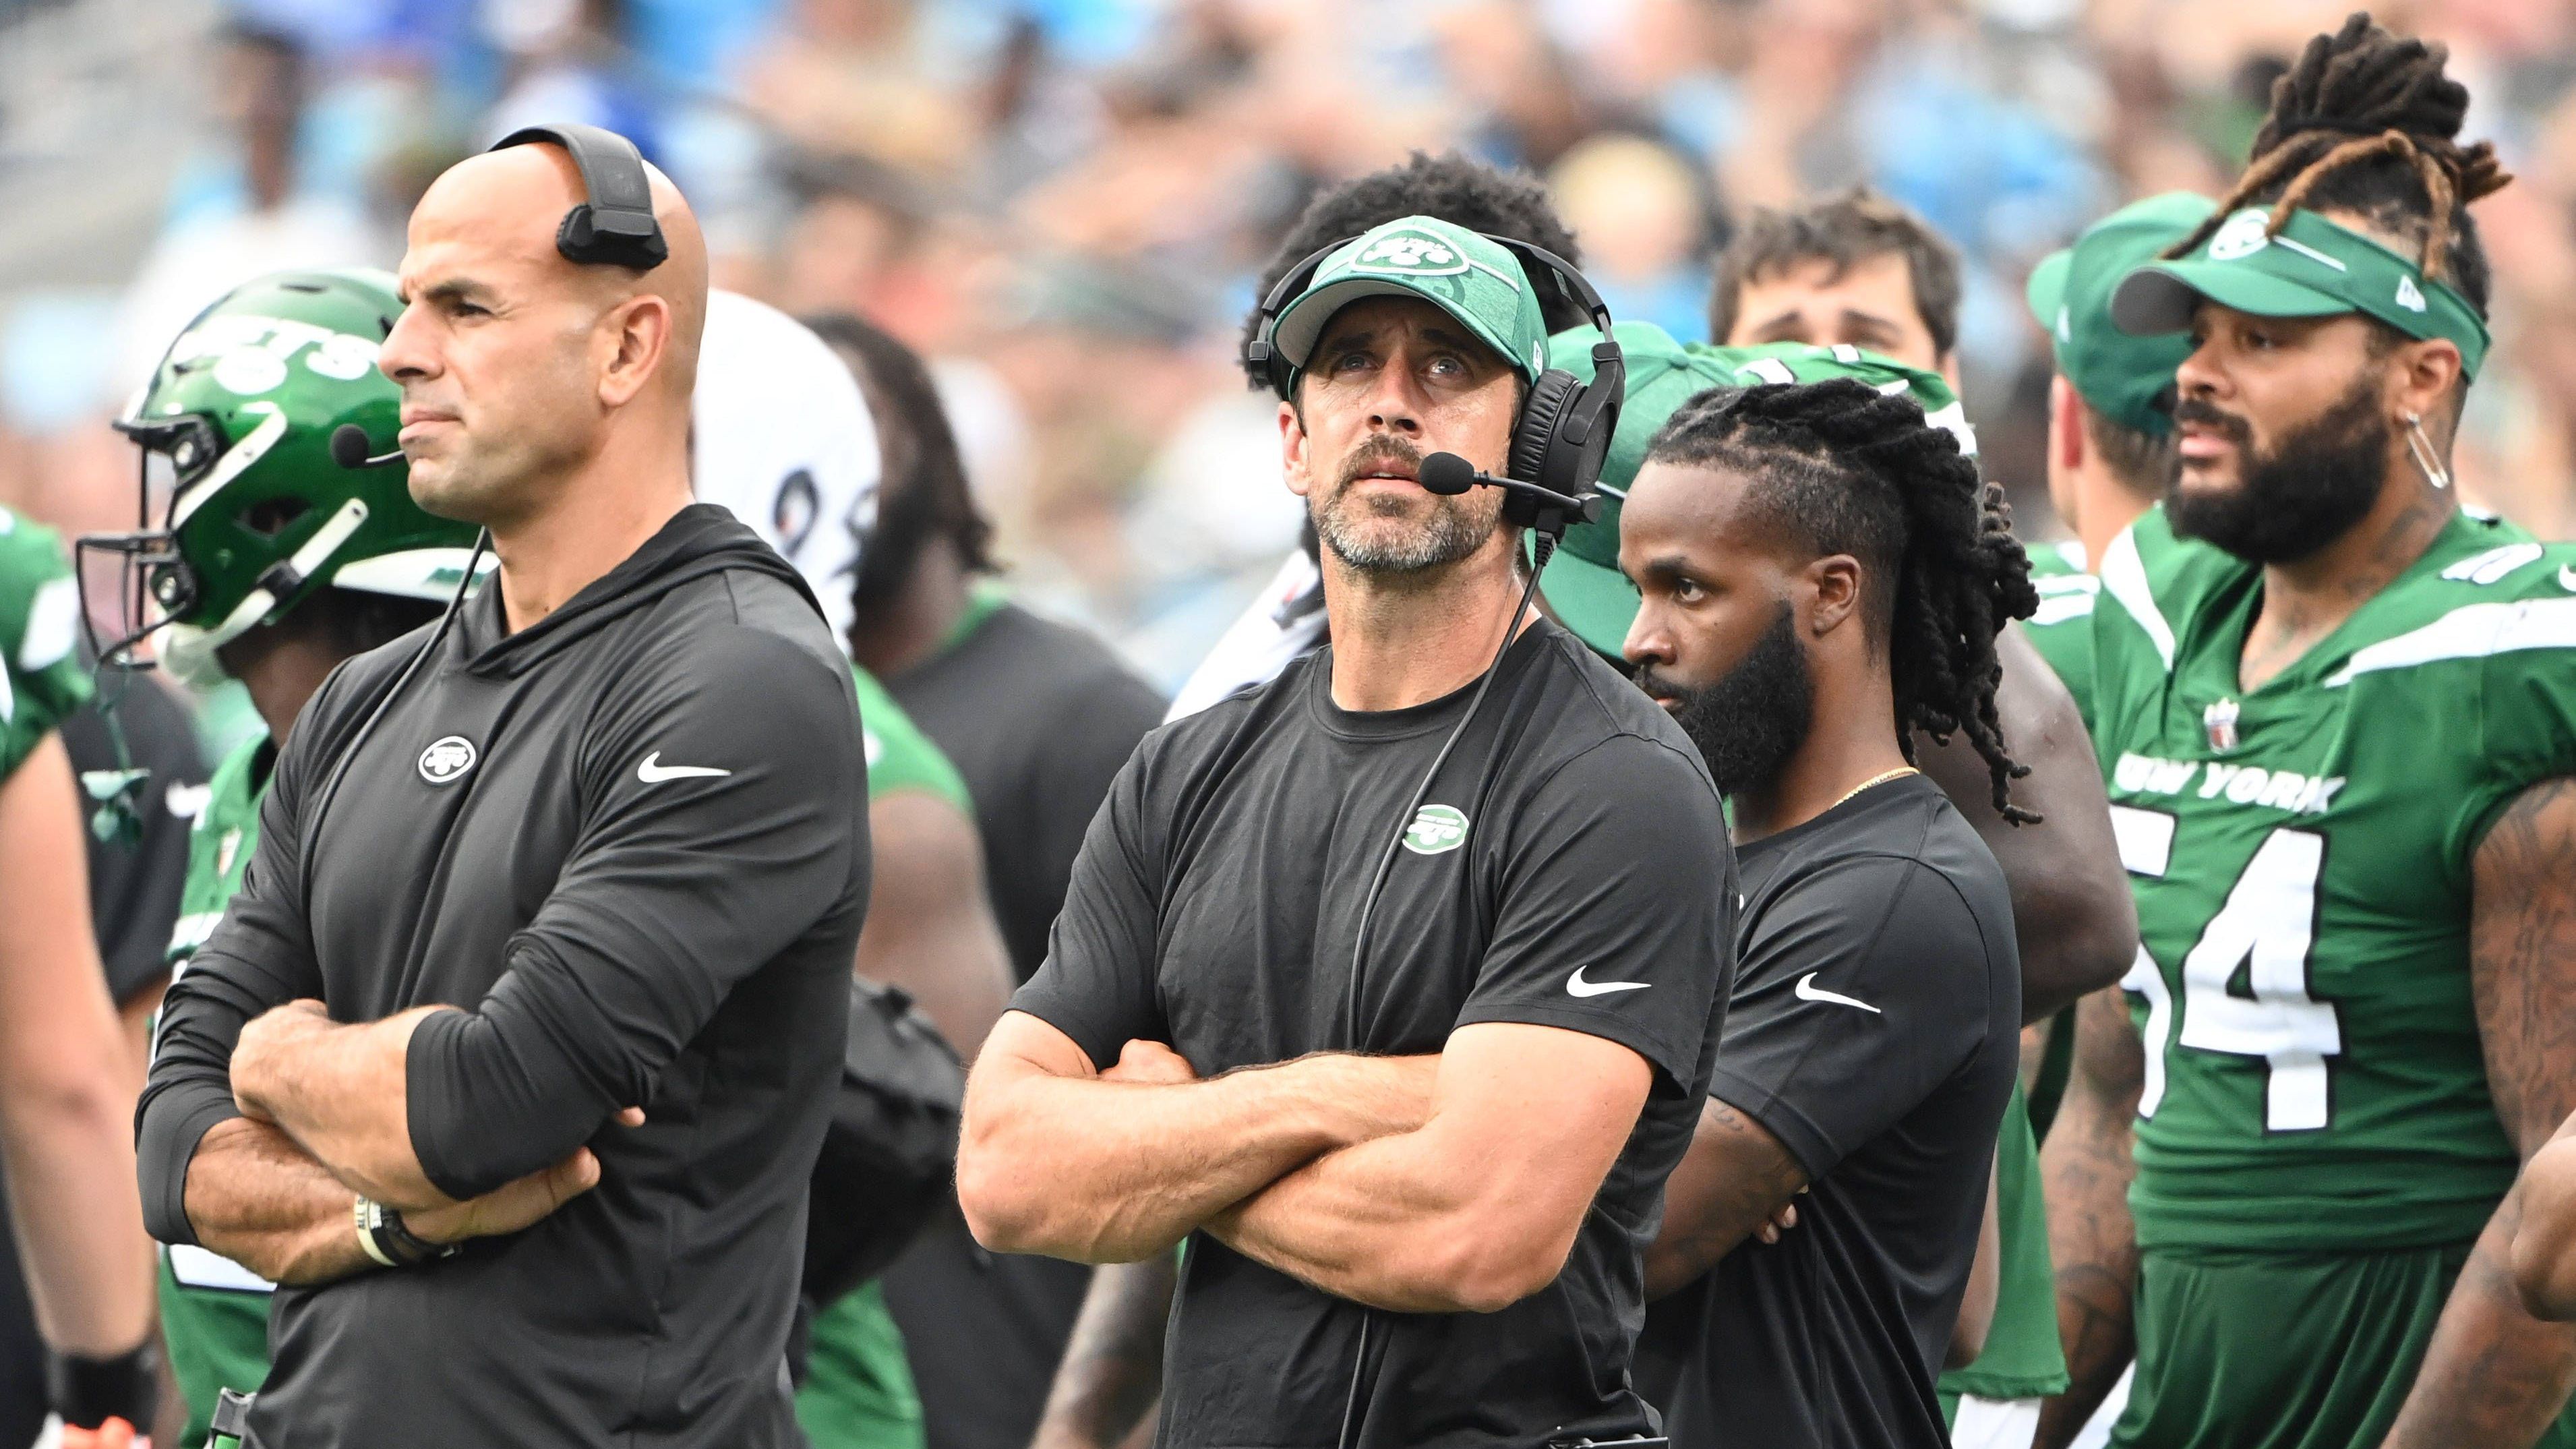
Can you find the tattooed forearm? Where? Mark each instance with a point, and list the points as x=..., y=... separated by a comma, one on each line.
x=1735, y=1175
x=2086, y=1166
x=2493, y=1374
x=2522, y=960
x=1112, y=1372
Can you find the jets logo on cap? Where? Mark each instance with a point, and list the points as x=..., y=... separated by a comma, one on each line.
x=446, y=758
x=2409, y=296
x=1412, y=254
x=1436, y=828
x=2242, y=236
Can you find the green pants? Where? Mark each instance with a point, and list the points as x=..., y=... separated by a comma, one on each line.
x=2281, y=1350
x=858, y=1390
x=216, y=1337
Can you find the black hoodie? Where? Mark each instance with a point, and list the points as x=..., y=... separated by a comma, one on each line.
x=631, y=842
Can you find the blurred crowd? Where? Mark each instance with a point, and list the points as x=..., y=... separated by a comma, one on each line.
x=1063, y=202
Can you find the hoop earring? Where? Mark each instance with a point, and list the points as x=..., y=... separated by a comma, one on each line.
x=2422, y=449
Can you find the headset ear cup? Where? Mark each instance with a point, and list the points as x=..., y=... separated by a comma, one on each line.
x=1535, y=437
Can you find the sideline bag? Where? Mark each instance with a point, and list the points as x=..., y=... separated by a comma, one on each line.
x=890, y=1155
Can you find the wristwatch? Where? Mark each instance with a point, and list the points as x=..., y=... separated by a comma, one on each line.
x=384, y=1237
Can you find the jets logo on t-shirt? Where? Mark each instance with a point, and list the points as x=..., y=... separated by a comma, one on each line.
x=1435, y=828
x=446, y=758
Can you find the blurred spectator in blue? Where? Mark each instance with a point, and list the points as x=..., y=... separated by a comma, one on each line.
x=222, y=235
x=1648, y=224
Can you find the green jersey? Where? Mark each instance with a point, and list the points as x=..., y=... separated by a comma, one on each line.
x=41, y=679
x=2301, y=859
x=858, y=1391
x=214, y=1312
x=2062, y=630
x=2022, y=1358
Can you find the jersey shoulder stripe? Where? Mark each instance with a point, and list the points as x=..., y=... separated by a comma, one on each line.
x=2124, y=578
x=2472, y=631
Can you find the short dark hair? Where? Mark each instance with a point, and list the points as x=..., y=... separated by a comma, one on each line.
x=924, y=493
x=2142, y=463
x=1842, y=231
x=1848, y=469
x=1449, y=186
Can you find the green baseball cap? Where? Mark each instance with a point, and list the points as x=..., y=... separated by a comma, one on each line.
x=1467, y=275
x=2125, y=377
x=1583, y=585
x=2310, y=267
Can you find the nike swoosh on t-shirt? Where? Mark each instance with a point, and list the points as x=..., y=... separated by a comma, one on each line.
x=1575, y=985
x=1808, y=990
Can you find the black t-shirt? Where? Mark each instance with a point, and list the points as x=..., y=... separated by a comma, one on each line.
x=1874, y=1031
x=1572, y=841
x=1038, y=717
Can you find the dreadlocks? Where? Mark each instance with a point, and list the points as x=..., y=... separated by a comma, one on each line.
x=1852, y=470
x=2367, y=123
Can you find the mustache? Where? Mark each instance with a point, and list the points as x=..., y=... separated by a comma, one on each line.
x=1658, y=687
x=2207, y=414
x=1377, y=451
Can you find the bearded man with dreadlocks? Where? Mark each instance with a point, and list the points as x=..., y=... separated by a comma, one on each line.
x=2338, y=716
x=1822, y=574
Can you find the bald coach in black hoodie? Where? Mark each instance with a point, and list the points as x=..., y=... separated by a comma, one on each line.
x=512, y=1057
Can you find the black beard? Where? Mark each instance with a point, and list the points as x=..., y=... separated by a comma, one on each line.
x=1750, y=722
x=2303, y=494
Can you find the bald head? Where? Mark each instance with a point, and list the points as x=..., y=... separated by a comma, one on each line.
x=517, y=364
x=514, y=200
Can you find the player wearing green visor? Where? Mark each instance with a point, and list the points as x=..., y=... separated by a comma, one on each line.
x=2338, y=716
x=272, y=565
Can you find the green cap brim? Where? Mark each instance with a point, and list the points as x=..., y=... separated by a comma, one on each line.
x=2046, y=291
x=1597, y=603
x=1302, y=325
x=2159, y=297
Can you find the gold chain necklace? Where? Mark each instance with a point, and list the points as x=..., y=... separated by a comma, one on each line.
x=1899, y=773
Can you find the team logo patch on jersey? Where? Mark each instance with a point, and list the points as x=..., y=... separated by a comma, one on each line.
x=446, y=758
x=2220, y=721
x=1436, y=828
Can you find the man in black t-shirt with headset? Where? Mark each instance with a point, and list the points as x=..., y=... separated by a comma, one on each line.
x=1519, y=906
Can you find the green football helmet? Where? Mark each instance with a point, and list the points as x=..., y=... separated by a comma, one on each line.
x=243, y=409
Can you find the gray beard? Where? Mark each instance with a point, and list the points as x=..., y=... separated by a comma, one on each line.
x=1447, y=536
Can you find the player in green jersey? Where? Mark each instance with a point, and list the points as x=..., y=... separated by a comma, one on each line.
x=2337, y=714
x=66, y=1103
x=2110, y=418
x=271, y=564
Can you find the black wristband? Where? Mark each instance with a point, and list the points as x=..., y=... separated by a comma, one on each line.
x=390, y=1241
x=88, y=1392
x=406, y=1246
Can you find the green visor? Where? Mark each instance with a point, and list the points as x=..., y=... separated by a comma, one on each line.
x=1583, y=585
x=2310, y=268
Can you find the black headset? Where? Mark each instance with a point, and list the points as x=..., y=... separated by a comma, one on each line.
x=1565, y=425
x=614, y=225
x=1558, y=444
